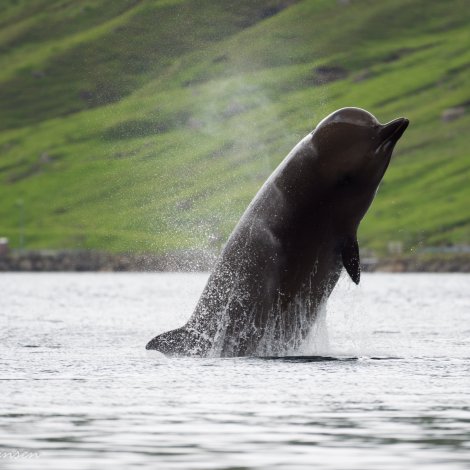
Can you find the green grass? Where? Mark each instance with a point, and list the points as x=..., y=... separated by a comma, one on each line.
x=150, y=125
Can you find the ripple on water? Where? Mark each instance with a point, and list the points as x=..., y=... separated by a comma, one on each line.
x=389, y=389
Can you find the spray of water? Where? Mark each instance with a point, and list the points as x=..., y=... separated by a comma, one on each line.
x=337, y=328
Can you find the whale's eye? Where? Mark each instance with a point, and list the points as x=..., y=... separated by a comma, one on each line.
x=345, y=179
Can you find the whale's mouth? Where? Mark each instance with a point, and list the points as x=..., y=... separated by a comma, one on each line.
x=391, y=132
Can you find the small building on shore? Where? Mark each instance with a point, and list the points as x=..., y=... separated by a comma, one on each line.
x=4, y=248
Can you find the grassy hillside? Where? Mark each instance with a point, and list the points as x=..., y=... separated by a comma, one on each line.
x=149, y=125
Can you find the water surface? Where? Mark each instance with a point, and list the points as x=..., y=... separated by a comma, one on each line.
x=383, y=383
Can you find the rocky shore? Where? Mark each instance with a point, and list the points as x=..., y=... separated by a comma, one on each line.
x=77, y=261
x=200, y=261
x=455, y=263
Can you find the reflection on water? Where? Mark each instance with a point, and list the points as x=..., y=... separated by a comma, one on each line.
x=390, y=389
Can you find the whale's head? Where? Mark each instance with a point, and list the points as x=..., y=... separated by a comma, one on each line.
x=353, y=151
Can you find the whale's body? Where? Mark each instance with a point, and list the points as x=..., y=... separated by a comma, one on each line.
x=286, y=254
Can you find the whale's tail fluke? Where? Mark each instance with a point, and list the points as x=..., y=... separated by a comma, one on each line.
x=172, y=343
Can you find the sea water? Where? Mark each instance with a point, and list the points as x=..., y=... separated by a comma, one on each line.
x=383, y=381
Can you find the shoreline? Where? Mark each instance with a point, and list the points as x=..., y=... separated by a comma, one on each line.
x=420, y=263
x=198, y=260
x=100, y=261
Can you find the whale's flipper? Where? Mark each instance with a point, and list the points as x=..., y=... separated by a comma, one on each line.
x=351, y=260
x=173, y=343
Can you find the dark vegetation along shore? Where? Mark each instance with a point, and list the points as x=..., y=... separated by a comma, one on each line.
x=143, y=127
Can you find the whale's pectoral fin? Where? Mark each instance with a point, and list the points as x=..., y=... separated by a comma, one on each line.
x=172, y=342
x=351, y=261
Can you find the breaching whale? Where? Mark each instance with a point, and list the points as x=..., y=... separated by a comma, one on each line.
x=286, y=253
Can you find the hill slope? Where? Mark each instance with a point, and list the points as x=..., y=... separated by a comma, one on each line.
x=149, y=126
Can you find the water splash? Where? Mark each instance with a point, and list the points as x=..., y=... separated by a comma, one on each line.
x=271, y=329
x=317, y=342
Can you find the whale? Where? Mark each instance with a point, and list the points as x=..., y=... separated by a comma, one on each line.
x=286, y=254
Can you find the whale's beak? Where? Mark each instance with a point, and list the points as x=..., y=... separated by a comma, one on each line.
x=390, y=133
